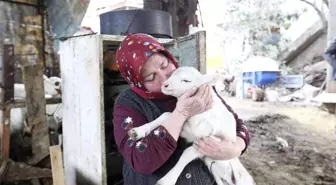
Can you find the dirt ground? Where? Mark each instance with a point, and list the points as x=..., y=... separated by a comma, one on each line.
x=310, y=157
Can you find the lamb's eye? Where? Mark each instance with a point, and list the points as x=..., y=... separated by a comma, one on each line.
x=187, y=81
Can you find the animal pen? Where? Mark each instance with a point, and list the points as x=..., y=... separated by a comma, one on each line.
x=89, y=88
x=35, y=103
x=24, y=59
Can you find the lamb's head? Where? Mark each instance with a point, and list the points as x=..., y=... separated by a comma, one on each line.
x=184, y=78
x=57, y=83
x=52, y=85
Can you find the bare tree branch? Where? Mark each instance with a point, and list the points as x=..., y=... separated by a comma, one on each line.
x=326, y=2
x=319, y=12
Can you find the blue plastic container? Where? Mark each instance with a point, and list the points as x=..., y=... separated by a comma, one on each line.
x=261, y=77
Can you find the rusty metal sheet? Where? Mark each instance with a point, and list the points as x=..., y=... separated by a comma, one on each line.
x=5, y=137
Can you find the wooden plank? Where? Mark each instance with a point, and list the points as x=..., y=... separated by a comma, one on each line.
x=21, y=171
x=33, y=2
x=22, y=103
x=83, y=113
x=201, y=50
x=36, y=110
x=57, y=165
x=3, y=170
x=8, y=97
x=5, y=137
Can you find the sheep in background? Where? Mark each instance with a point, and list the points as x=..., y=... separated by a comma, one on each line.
x=19, y=118
x=216, y=120
x=54, y=116
x=52, y=88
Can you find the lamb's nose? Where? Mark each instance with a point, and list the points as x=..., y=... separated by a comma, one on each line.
x=165, y=85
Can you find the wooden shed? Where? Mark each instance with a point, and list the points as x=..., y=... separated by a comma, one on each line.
x=83, y=75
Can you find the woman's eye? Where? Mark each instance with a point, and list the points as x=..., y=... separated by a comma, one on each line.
x=187, y=81
x=164, y=64
x=150, y=78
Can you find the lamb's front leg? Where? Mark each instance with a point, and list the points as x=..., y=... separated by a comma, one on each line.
x=221, y=171
x=187, y=156
x=143, y=130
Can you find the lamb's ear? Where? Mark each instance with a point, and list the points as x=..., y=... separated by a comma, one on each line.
x=45, y=77
x=210, y=79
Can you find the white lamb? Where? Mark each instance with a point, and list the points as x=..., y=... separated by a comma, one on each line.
x=52, y=88
x=216, y=120
x=19, y=118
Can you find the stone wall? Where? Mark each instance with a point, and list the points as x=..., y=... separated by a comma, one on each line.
x=310, y=55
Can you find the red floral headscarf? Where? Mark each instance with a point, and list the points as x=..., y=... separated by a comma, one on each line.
x=132, y=55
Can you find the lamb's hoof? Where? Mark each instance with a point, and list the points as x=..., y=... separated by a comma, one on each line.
x=132, y=133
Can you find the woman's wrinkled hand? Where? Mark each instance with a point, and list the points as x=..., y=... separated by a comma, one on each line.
x=194, y=101
x=223, y=150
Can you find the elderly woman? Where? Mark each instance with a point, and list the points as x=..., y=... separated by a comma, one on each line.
x=146, y=65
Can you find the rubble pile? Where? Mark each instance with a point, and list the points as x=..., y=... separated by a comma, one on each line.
x=315, y=73
x=314, y=83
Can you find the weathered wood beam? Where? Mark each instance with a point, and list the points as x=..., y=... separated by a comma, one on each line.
x=16, y=171
x=32, y=3
x=5, y=137
x=36, y=109
x=57, y=165
x=8, y=96
x=3, y=169
x=22, y=103
x=172, y=9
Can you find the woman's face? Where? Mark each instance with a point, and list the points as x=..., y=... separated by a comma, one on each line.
x=156, y=71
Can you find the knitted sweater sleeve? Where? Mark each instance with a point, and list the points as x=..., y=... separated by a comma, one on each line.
x=148, y=154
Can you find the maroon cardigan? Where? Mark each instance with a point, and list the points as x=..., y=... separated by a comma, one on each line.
x=146, y=158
